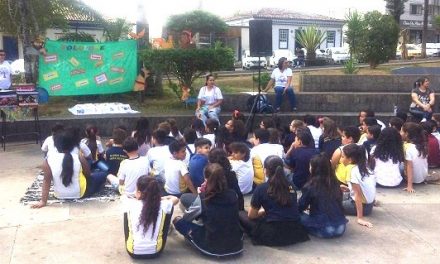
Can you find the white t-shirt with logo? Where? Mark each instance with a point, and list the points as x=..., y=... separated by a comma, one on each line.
x=174, y=170
x=157, y=157
x=280, y=77
x=5, y=75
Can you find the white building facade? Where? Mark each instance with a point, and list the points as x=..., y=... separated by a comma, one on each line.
x=412, y=19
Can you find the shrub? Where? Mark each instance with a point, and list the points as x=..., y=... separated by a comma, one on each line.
x=350, y=67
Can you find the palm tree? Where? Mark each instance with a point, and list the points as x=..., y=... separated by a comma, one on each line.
x=311, y=38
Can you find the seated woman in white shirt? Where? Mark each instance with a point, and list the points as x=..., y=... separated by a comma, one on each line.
x=209, y=100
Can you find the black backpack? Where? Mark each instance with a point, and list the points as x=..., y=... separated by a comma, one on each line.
x=262, y=104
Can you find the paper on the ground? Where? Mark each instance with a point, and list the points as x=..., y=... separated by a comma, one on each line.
x=102, y=108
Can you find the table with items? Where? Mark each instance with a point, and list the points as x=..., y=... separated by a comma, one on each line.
x=17, y=105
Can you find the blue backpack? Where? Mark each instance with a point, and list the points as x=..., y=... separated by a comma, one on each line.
x=262, y=104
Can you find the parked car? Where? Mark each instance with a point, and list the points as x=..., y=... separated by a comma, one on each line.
x=432, y=49
x=249, y=62
x=277, y=54
x=338, y=54
x=321, y=55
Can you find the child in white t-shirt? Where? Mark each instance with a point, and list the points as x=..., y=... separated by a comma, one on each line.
x=130, y=169
x=242, y=166
x=177, y=180
x=261, y=150
x=158, y=155
x=211, y=131
x=362, y=185
x=416, y=153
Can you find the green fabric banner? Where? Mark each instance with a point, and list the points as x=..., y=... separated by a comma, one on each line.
x=79, y=68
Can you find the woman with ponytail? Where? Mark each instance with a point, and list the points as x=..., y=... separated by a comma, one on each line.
x=147, y=219
x=69, y=171
x=273, y=218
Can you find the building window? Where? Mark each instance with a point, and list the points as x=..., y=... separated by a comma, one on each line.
x=331, y=37
x=416, y=9
x=284, y=39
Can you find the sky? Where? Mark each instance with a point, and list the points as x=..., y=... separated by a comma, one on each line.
x=157, y=12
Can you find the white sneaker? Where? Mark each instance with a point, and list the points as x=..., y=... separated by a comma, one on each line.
x=423, y=120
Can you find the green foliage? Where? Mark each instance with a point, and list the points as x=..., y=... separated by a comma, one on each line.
x=310, y=38
x=117, y=29
x=77, y=37
x=436, y=22
x=350, y=67
x=373, y=37
x=187, y=64
x=395, y=8
x=196, y=21
x=265, y=78
x=354, y=33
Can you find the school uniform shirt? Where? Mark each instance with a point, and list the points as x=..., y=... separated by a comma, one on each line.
x=433, y=152
x=275, y=212
x=113, y=158
x=211, y=138
x=130, y=170
x=245, y=174
x=299, y=161
x=190, y=151
x=259, y=154
x=174, y=170
x=387, y=173
x=419, y=163
x=316, y=134
x=49, y=146
x=367, y=185
x=209, y=97
x=280, y=77
x=77, y=187
x=137, y=242
x=196, y=165
x=99, y=147
x=157, y=157
x=5, y=75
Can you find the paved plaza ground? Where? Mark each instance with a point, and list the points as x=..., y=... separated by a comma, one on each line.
x=406, y=228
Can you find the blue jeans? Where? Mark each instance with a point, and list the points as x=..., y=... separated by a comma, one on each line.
x=328, y=231
x=206, y=113
x=279, y=97
x=94, y=182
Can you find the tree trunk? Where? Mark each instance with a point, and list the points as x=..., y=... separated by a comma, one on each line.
x=425, y=27
x=25, y=37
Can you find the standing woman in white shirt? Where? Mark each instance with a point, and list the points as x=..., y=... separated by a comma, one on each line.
x=209, y=100
x=282, y=78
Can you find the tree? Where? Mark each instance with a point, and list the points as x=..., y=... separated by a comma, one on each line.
x=378, y=38
x=30, y=19
x=117, y=29
x=311, y=38
x=354, y=33
x=395, y=8
x=187, y=64
x=197, y=21
x=425, y=27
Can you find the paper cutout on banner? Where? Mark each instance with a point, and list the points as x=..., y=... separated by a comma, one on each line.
x=50, y=76
x=100, y=79
x=99, y=63
x=95, y=57
x=51, y=58
x=118, y=55
x=117, y=69
x=74, y=61
x=81, y=83
x=77, y=71
x=56, y=87
x=116, y=80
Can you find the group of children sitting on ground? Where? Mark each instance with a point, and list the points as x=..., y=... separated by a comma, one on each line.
x=209, y=168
